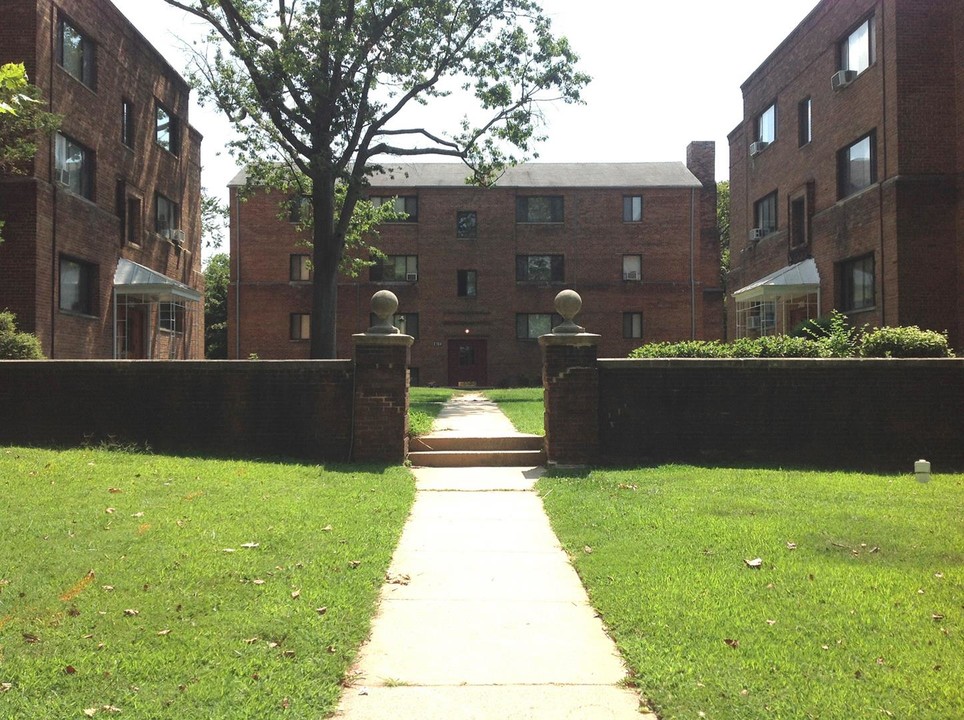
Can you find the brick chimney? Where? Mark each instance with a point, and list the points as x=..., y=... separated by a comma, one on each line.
x=701, y=161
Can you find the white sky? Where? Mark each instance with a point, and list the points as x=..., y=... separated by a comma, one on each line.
x=665, y=72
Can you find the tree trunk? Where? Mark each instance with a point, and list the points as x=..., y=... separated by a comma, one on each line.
x=326, y=258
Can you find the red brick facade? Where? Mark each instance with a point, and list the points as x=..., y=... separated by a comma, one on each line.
x=889, y=249
x=66, y=231
x=469, y=337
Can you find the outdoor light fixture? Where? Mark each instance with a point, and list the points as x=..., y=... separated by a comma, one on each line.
x=466, y=331
x=922, y=469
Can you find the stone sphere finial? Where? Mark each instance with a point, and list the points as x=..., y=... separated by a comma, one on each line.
x=384, y=305
x=568, y=304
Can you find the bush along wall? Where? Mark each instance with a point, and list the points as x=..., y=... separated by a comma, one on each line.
x=829, y=337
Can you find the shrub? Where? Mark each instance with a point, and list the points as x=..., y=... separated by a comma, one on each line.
x=15, y=345
x=904, y=342
x=685, y=349
x=776, y=346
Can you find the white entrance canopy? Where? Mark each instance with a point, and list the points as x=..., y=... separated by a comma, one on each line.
x=801, y=278
x=133, y=279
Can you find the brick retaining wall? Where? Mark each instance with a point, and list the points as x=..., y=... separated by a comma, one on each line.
x=298, y=409
x=833, y=414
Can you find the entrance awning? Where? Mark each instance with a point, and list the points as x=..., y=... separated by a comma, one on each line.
x=801, y=278
x=133, y=279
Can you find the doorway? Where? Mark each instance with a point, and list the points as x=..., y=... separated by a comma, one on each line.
x=468, y=362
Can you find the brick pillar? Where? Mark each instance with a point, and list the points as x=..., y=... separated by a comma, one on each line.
x=380, y=423
x=570, y=385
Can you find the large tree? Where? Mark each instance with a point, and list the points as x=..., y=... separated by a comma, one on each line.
x=322, y=91
x=23, y=120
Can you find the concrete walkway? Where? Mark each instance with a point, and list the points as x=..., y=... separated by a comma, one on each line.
x=482, y=616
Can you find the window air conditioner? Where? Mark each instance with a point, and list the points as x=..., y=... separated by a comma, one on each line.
x=756, y=234
x=411, y=277
x=631, y=275
x=177, y=237
x=758, y=147
x=753, y=322
x=63, y=176
x=842, y=78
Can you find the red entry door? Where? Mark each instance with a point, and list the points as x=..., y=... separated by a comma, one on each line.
x=467, y=362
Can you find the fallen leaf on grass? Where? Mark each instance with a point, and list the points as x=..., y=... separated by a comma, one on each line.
x=296, y=594
x=4, y=687
x=90, y=712
x=107, y=588
x=138, y=515
x=755, y=563
x=285, y=704
x=288, y=654
x=250, y=641
x=163, y=632
x=938, y=575
x=626, y=486
x=354, y=564
x=937, y=617
x=321, y=610
x=251, y=545
x=30, y=638
x=330, y=649
x=771, y=622
x=791, y=546
x=258, y=581
x=110, y=511
x=70, y=670
x=730, y=642
x=588, y=550
x=399, y=579
x=327, y=528
x=114, y=491
x=131, y=612
x=229, y=550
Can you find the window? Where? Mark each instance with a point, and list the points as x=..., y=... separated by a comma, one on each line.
x=394, y=268
x=632, y=325
x=127, y=123
x=765, y=212
x=798, y=222
x=406, y=323
x=166, y=130
x=166, y=216
x=529, y=326
x=540, y=268
x=857, y=166
x=632, y=208
x=857, y=284
x=539, y=209
x=300, y=326
x=78, y=284
x=299, y=208
x=171, y=317
x=75, y=53
x=858, y=51
x=74, y=167
x=804, y=123
x=300, y=268
x=466, y=224
x=133, y=221
x=632, y=267
x=766, y=125
x=406, y=205
x=467, y=283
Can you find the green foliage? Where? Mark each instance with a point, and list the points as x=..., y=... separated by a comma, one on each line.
x=854, y=613
x=217, y=275
x=325, y=90
x=424, y=405
x=826, y=337
x=16, y=345
x=214, y=215
x=185, y=588
x=904, y=342
x=22, y=120
x=723, y=223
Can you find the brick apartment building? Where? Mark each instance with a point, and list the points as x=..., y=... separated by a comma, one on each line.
x=101, y=257
x=847, y=172
x=476, y=270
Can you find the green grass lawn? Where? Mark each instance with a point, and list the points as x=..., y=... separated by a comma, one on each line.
x=857, y=611
x=424, y=405
x=523, y=407
x=181, y=588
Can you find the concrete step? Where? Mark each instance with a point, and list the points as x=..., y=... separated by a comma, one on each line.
x=447, y=450
x=437, y=443
x=477, y=458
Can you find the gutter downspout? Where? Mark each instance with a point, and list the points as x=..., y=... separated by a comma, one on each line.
x=693, y=263
x=237, y=276
x=55, y=284
x=880, y=181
